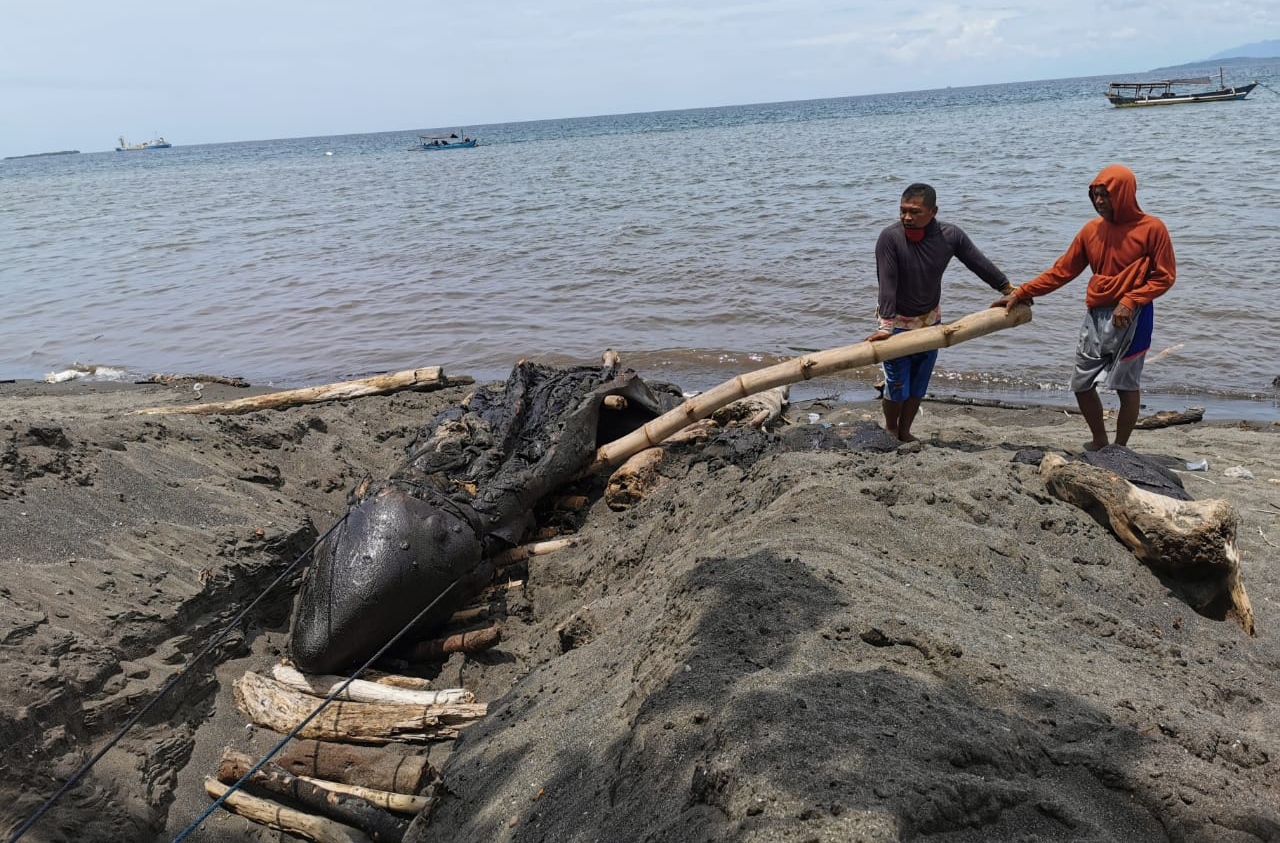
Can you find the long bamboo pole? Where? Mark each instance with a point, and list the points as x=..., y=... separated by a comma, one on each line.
x=805, y=368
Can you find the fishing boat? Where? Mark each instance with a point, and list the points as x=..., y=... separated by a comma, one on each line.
x=155, y=143
x=449, y=141
x=1174, y=91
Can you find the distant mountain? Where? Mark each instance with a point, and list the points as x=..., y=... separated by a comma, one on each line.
x=1256, y=50
x=1215, y=63
x=1244, y=54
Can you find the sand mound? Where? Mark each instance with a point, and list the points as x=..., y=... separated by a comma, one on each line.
x=778, y=643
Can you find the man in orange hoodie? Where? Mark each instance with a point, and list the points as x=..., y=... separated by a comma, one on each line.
x=1132, y=261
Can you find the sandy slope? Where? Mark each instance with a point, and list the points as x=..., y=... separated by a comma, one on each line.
x=775, y=645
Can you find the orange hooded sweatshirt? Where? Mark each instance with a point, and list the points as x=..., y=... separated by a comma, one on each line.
x=1131, y=256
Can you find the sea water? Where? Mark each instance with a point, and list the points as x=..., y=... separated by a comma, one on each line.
x=698, y=243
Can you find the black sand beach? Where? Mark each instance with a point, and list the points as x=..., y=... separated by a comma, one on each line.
x=775, y=645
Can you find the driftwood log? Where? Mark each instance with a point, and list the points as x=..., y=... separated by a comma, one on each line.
x=396, y=680
x=171, y=380
x=1169, y=418
x=289, y=820
x=805, y=368
x=349, y=810
x=401, y=803
x=360, y=690
x=758, y=410
x=274, y=706
x=636, y=478
x=965, y=401
x=1190, y=541
x=359, y=766
x=429, y=377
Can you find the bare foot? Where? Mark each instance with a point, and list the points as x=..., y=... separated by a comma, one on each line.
x=907, y=438
x=1094, y=446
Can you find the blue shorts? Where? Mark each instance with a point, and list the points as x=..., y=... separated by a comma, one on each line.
x=908, y=377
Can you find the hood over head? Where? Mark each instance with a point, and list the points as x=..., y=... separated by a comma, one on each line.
x=1122, y=188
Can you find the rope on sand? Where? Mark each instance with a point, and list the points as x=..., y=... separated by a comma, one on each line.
x=167, y=687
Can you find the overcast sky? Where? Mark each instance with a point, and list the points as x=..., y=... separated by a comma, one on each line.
x=75, y=75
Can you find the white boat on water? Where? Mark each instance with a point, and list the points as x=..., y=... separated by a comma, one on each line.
x=1173, y=91
x=450, y=141
x=155, y=143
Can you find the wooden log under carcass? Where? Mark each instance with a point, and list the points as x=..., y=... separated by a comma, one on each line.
x=396, y=680
x=636, y=478
x=525, y=552
x=345, y=808
x=269, y=704
x=432, y=377
x=758, y=410
x=571, y=503
x=474, y=641
x=1187, y=540
x=632, y=481
x=401, y=803
x=470, y=615
x=289, y=820
x=499, y=590
x=699, y=431
x=804, y=368
x=360, y=690
x=378, y=769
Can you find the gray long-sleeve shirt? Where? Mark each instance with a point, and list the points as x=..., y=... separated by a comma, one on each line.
x=910, y=274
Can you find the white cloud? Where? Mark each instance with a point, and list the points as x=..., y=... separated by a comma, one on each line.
x=216, y=72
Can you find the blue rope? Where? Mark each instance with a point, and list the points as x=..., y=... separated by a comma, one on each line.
x=168, y=686
x=334, y=694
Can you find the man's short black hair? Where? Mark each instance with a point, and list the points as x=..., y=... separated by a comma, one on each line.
x=922, y=191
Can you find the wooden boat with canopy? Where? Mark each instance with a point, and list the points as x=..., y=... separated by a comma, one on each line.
x=449, y=141
x=1174, y=91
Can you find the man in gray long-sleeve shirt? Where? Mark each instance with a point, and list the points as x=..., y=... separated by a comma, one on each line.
x=911, y=256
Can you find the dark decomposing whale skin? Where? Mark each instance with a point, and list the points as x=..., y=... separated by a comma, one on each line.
x=467, y=491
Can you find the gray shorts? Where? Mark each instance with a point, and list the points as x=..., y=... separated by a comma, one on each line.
x=1102, y=350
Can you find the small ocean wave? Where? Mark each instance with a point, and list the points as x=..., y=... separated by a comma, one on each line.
x=89, y=372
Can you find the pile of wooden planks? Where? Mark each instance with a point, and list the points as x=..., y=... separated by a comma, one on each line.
x=339, y=780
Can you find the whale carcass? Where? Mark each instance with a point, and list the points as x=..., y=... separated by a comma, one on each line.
x=466, y=491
